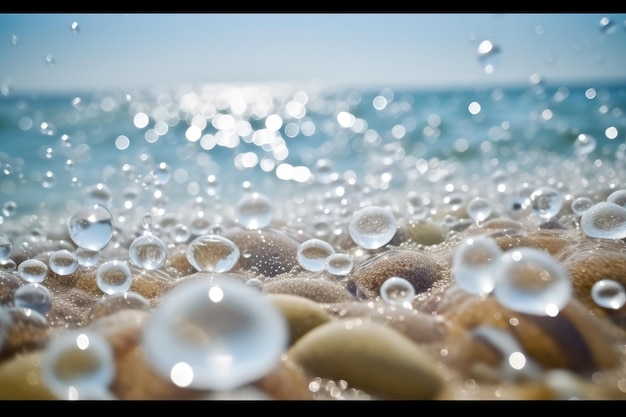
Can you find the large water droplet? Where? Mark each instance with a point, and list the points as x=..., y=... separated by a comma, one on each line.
x=147, y=252
x=212, y=253
x=114, y=276
x=475, y=264
x=33, y=270
x=214, y=333
x=581, y=204
x=608, y=293
x=372, y=227
x=312, y=254
x=77, y=361
x=479, y=208
x=63, y=262
x=254, y=211
x=339, y=264
x=546, y=202
x=532, y=282
x=618, y=197
x=91, y=226
x=604, y=220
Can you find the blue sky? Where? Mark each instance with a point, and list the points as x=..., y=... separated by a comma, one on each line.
x=42, y=52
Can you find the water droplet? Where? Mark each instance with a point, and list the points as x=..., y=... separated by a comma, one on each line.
x=479, y=208
x=33, y=270
x=488, y=55
x=546, y=202
x=91, y=226
x=254, y=211
x=372, y=227
x=608, y=293
x=114, y=276
x=77, y=361
x=584, y=145
x=604, y=220
x=5, y=248
x=180, y=233
x=214, y=333
x=212, y=253
x=339, y=264
x=87, y=257
x=581, y=204
x=63, y=262
x=475, y=264
x=255, y=283
x=617, y=197
x=397, y=290
x=99, y=194
x=33, y=296
x=9, y=208
x=161, y=174
x=312, y=254
x=112, y=303
x=147, y=252
x=532, y=282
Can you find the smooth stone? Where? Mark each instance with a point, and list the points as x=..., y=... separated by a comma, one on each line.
x=369, y=356
x=421, y=270
x=316, y=289
x=302, y=314
x=424, y=232
x=551, y=241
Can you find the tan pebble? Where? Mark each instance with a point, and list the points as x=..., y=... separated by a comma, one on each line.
x=424, y=232
x=269, y=252
x=286, y=382
x=316, y=289
x=302, y=314
x=418, y=268
x=550, y=241
x=368, y=356
x=20, y=378
x=9, y=282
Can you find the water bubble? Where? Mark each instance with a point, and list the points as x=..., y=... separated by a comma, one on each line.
x=8, y=265
x=546, y=202
x=617, y=197
x=112, y=303
x=479, y=208
x=114, y=276
x=147, y=252
x=33, y=270
x=488, y=55
x=180, y=233
x=397, y=290
x=372, y=227
x=77, y=362
x=255, y=283
x=475, y=264
x=532, y=282
x=212, y=253
x=33, y=296
x=63, y=262
x=5, y=248
x=91, y=226
x=604, y=220
x=581, y=204
x=9, y=208
x=339, y=264
x=214, y=333
x=608, y=293
x=99, y=194
x=584, y=145
x=87, y=257
x=312, y=254
x=161, y=174
x=254, y=211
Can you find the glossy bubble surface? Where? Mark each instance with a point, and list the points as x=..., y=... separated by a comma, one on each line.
x=33, y=296
x=33, y=270
x=91, y=226
x=114, y=276
x=214, y=333
x=608, y=293
x=312, y=254
x=212, y=253
x=604, y=220
x=475, y=264
x=397, y=290
x=372, y=227
x=254, y=211
x=147, y=252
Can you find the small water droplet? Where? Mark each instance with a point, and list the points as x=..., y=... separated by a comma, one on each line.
x=608, y=293
x=604, y=220
x=372, y=227
x=312, y=254
x=397, y=290
x=33, y=296
x=212, y=253
x=148, y=252
x=475, y=264
x=63, y=262
x=254, y=211
x=33, y=270
x=114, y=276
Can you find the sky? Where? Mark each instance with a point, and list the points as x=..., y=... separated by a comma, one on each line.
x=76, y=52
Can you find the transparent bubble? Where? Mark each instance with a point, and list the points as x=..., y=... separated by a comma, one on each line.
x=479, y=208
x=255, y=283
x=77, y=362
x=581, y=204
x=372, y=227
x=180, y=233
x=604, y=220
x=397, y=290
x=5, y=248
x=546, y=202
x=339, y=264
x=161, y=174
x=312, y=254
x=9, y=208
x=99, y=194
x=617, y=197
x=212, y=253
x=33, y=270
x=254, y=211
x=608, y=293
x=112, y=303
x=475, y=264
x=87, y=257
x=584, y=145
x=91, y=226
x=148, y=252
x=8, y=265
x=63, y=262
x=114, y=276
x=532, y=282
x=33, y=296
x=214, y=333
